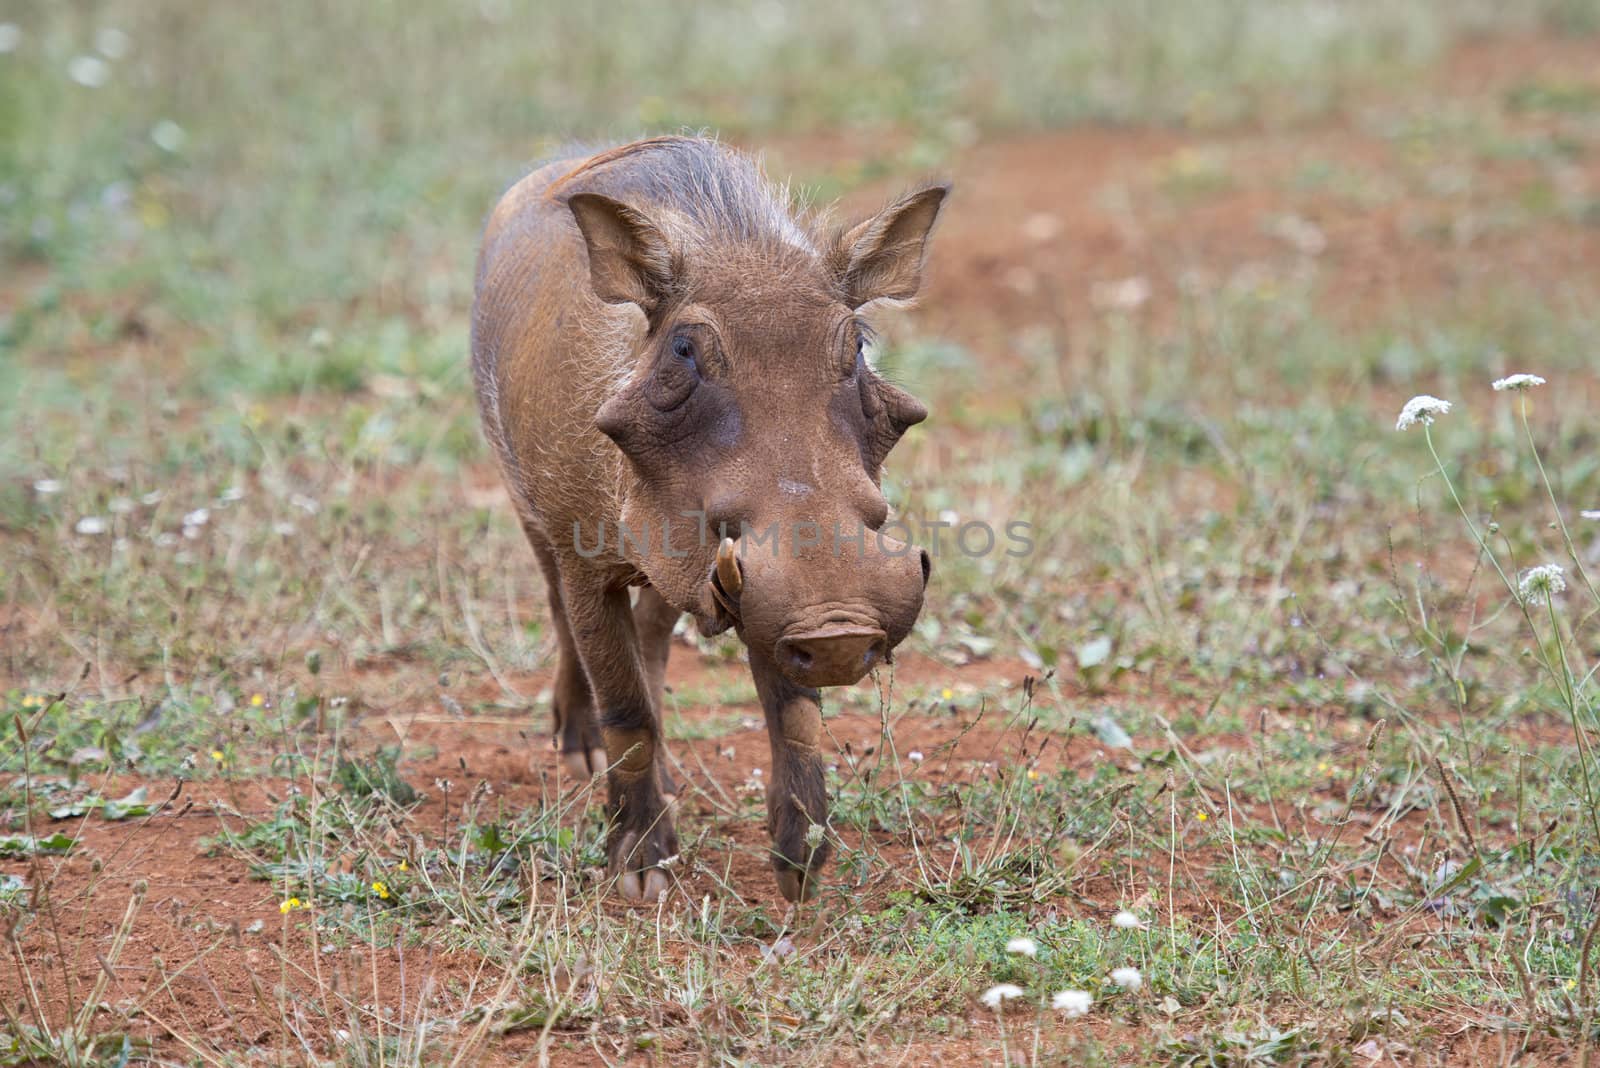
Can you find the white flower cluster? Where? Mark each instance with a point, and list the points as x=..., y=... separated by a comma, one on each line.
x=1422, y=410
x=996, y=996
x=1027, y=947
x=1519, y=383
x=1538, y=584
x=1070, y=1003
x=1127, y=978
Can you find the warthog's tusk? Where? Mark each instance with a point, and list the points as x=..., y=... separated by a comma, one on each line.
x=728, y=572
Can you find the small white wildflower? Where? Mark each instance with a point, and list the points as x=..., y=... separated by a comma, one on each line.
x=1125, y=295
x=1072, y=1003
x=1538, y=584
x=152, y=498
x=1421, y=409
x=111, y=43
x=308, y=505
x=1589, y=513
x=10, y=36
x=814, y=836
x=782, y=948
x=92, y=524
x=197, y=518
x=168, y=136
x=1127, y=921
x=91, y=72
x=120, y=505
x=1025, y=946
x=116, y=196
x=231, y=494
x=44, y=487
x=1041, y=227
x=1127, y=978
x=1517, y=382
x=996, y=996
x=915, y=756
x=283, y=530
x=1305, y=236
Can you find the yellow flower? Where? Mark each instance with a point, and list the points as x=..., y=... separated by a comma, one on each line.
x=290, y=905
x=381, y=890
x=257, y=700
x=1033, y=774
x=946, y=693
x=216, y=754
x=403, y=866
x=1201, y=816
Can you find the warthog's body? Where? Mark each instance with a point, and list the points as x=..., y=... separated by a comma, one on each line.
x=665, y=355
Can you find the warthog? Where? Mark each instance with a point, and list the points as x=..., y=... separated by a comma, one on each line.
x=669, y=363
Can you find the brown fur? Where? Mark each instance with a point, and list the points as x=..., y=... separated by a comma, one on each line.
x=655, y=334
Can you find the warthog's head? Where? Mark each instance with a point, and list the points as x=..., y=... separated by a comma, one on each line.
x=755, y=429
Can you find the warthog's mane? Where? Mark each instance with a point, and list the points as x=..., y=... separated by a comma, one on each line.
x=710, y=193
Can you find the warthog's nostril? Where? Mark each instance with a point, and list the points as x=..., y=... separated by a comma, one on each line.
x=927, y=566
x=831, y=656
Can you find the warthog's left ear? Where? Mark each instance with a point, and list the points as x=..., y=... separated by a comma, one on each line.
x=881, y=258
x=630, y=261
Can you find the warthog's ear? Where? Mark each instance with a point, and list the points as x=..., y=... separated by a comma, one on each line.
x=630, y=261
x=881, y=259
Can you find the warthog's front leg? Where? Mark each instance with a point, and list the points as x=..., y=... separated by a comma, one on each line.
x=797, y=798
x=571, y=703
x=642, y=836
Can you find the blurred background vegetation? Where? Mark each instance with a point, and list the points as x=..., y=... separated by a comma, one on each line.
x=248, y=170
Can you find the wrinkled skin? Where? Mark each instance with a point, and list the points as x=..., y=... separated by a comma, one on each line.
x=662, y=350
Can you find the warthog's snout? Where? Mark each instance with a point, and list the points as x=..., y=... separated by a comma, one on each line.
x=812, y=644
x=832, y=656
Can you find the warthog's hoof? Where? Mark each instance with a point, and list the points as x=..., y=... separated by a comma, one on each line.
x=795, y=884
x=640, y=859
x=651, y=889
x=584, y=764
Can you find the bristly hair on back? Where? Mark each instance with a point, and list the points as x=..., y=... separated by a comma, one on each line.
x=721, y=191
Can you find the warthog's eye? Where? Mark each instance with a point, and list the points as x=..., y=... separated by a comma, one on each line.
x=866, y=388
x=683, y=348
x=676, y=374
x=860, y=369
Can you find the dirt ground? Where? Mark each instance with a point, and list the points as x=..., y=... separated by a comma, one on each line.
x=1032, y=236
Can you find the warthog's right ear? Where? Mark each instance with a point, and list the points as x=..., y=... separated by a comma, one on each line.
x=630, y=261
